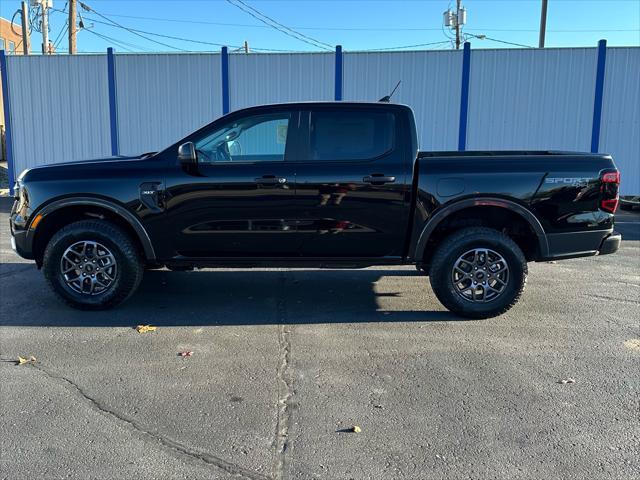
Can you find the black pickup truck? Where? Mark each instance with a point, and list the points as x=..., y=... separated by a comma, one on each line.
x=334, y=185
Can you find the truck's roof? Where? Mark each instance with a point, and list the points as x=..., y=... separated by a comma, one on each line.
x=328, y=104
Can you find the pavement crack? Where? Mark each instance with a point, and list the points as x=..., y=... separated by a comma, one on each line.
x=284, y=379
x=166, y=442
x=616, y=299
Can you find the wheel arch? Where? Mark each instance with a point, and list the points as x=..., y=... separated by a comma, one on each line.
x=92, y=206
x=445, y=213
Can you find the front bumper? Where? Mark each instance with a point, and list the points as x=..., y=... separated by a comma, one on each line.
x=21, y=245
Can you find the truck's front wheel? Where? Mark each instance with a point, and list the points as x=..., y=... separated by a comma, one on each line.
x=478, y=272
x=92, y=265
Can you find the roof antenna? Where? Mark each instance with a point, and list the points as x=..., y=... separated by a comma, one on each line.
x=387, y=98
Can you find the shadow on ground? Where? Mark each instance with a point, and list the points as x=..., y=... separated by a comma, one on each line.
x=231, y=297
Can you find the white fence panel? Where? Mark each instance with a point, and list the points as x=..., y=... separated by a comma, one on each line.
x=531, y=99
x=59, y=109
x=256, y=79
x=163, y=97
x=430, y=85
x=620, y=127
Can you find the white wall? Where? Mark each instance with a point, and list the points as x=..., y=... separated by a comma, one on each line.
x=430, y=85
x=162, y=98
x=531, y=99
x=620, y=126
x=59, y=109
x=518, y=99
x=256, y=79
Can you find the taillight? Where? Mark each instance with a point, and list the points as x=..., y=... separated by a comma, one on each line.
x=609, y=191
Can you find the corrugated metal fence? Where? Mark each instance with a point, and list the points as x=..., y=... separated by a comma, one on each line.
x=66, y=108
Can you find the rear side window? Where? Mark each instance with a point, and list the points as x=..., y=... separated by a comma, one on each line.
x=354, y=135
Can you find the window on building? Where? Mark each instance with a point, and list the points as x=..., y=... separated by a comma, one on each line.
x=2, y=44
x=12, y=47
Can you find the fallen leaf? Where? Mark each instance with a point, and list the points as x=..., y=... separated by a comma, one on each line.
x=185, y=354
x=356, y=429
x=633, y=344
x=23, y=360
x=145, y=328
x=564, y=381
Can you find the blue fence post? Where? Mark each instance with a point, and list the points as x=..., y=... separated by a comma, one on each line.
x=338, y=72
x=597, y=101
x=464, y=97
x=113, y=105
x=225, y=79
x=7, y=119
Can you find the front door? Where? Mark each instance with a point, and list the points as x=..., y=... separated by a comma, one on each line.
x=239, y=200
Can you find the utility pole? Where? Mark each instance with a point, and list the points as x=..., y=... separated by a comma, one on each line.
x=45, y=5
x=455, y=21
x=246, y=47
x=457, y=26
x=26, y=41
x=543, y=24
x=72, y=27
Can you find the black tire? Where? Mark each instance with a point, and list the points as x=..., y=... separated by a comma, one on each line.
x=129, y=267
x=448, y=255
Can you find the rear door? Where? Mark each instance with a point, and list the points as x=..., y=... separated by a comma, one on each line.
x=353, y=182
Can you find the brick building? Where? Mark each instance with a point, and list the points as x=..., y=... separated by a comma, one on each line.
x=11, y=43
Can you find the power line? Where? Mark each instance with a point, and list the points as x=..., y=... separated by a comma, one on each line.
x=405, y=46
x=139, y=48
x=370, y=29
x=89, y=9
x=109, y=39
x=183, y=39
x=278, y=26
x=61, y=35
x=484, y=37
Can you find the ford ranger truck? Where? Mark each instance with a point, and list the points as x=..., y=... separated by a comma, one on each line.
x=332, y=185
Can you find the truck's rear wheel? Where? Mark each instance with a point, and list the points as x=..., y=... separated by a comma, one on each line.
x=478, y=272
x=92, y=265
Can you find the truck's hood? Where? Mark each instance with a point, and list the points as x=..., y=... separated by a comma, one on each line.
x=82, y=163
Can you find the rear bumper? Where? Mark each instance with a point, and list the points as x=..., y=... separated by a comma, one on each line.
x=582, y=244
x=611, y=244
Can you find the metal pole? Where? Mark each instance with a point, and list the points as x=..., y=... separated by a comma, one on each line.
x=543, y=24
x=45, y=28
x=458, y=24
x=72, y=27
x=26, y=41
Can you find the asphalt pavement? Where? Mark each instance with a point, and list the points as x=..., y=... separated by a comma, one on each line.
x=286, y=362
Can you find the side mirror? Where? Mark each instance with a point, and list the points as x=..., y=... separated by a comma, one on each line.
x=187, y=154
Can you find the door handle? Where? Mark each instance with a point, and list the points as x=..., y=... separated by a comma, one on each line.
x=271, y=180
x=378, y=179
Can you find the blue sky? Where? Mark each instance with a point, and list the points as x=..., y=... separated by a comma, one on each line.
x=357, y=25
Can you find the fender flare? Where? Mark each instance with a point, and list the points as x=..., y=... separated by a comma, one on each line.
x=526, y=214
x=119, y=210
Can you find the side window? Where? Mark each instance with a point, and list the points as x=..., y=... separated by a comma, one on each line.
x=259, y=138
x=354, y=135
